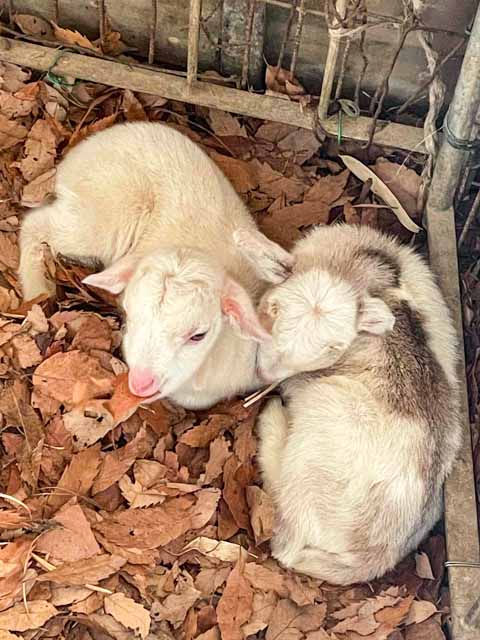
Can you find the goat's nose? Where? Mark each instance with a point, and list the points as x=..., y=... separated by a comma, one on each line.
x=142, y=382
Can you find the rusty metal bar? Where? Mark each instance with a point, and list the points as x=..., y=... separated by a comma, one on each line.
x=193, y=40
x=56, y=11
x=288, y=29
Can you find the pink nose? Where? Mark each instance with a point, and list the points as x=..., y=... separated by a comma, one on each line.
x=142, y=382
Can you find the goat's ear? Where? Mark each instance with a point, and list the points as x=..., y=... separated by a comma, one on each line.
x=114, y=278
x=238, y=308
x=375, y=316
x=271, y=262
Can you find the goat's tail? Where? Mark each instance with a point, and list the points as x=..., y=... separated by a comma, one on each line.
x=35, y=232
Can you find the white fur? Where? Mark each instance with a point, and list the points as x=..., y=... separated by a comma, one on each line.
x=157, y=212
x=357, y=483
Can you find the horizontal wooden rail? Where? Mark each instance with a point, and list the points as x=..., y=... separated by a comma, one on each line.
x=117, y=74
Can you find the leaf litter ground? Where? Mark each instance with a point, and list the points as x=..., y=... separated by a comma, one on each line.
x=122, y=521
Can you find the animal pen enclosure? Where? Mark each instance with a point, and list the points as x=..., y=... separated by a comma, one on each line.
x=351, y=69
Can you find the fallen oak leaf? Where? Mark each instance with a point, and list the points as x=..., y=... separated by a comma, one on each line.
x=73, y=540
x=219, y=454
x=33, y=25
x=39, y=189
x=364, y=173
x=419, y=611
x=11, y=132
x=85, y=571
x=128, y=612
x=72, y=377
x=235, y=606
x=423, y=568
x=20, y=618
x=218, y=549
x=123, y=402
x=13, y=561
x=67, y=36
x=262, y=513
x=77, y=478
x=176, y=606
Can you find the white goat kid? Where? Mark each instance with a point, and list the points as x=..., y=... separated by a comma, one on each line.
x=357, y=455
x=156, y=211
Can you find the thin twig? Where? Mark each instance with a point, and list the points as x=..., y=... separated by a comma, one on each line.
x=428, y=81
x=48, y=566
x=286, y=35
x=298, y=35
x=361, y=48
x=248, y=43
x=472, y=214
x=102, y=25
x=382, y=90
x=153, y=32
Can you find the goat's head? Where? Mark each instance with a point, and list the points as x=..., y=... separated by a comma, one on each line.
x=177, y=303
x=313, y=317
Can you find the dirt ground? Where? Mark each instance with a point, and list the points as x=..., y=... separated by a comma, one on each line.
x=119, y=521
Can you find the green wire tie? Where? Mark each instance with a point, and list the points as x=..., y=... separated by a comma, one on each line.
x=55, y=79
x=350, y=109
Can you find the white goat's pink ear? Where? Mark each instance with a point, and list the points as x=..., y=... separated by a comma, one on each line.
x=114, y=278
x=375, y=316
x=238, y=307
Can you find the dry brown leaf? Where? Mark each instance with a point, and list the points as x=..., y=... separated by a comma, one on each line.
x=85, y=571
x=37, y=191
x=129, y=613
x=423, y=568
x=21, y=105
x=219, y=454
x=123, y=403
x=263, y=606
x=9, y=252
x=280, y=80
x=240, y=173
x=40, y=151
x=95, y=127
x=11, y=132
x=290, y=622
x=132, y=107
x=117, y=463
x=428, y=630
x=262, y=513
x=235, y=606
x=88, y=423
x=275, y=184
x=13, y=561
x=283, y=226
x=77, y=479
x=328, y=189
x=264, y=579
x=72, y=378
x=6, y=635
x=209, y=580
x=224, y=124
x=13, y=77
x=73, y=541
x=402, y=181
x=157, y=526
x=206, y=431
x=362, y=172
x=174, y=607
x=420, y=611
x=62, y=596
x=363, y=625
x=67, y=36
x=18, y=618
x=33, y=25
x=218, y=549
x=106, y=625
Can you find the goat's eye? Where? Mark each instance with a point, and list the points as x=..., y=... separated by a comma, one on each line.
x=197, y=337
